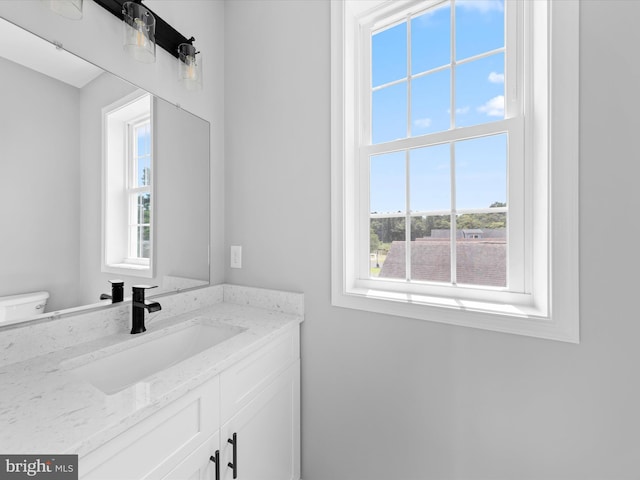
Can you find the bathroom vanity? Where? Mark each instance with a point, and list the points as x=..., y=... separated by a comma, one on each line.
x=210, y=391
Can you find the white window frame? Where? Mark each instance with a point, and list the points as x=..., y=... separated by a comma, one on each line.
x=118, y=209
x=133, y=191
x=545, y=303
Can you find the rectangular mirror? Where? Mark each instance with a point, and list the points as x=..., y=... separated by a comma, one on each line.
x=60, y=216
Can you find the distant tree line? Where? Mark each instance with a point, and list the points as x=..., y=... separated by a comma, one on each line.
x=386, y=230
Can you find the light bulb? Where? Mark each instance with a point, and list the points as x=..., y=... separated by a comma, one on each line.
x=191, y=69
x=140, y=38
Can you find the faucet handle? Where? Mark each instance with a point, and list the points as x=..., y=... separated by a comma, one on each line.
x=138, y=292
x=117, y=290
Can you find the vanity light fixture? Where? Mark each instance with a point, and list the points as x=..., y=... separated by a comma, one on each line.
x=139, y=27
x=144, y=28
x=67, y=8
x=189, y=66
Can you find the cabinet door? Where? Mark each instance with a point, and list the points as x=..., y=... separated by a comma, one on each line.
x=151, y=448
x=267, y=433
x=198, y=465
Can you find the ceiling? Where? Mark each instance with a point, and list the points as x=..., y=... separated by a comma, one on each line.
x=33, y=52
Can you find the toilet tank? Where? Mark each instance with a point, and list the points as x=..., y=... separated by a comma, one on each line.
x=15, y=307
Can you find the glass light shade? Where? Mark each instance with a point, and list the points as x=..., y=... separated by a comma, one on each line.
x=67, y=8
x=189, y=67
x=139, y=27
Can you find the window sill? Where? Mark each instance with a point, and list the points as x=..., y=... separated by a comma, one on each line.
x=132, y=266
x=134, y=270
x=527, y=320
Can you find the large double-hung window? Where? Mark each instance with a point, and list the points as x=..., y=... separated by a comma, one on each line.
x=442, y=162
x=442, y=116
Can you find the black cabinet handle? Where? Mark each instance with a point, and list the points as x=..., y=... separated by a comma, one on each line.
x=216, y=459
x=234, y=465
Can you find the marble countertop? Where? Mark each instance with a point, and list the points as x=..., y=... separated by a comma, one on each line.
x=46, y=408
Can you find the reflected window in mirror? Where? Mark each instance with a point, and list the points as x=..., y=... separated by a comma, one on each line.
x=139, y=190
x=128, y=186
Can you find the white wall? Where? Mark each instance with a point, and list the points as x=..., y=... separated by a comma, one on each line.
x=182, y=194
x=98, y=39
x=393, y=398
x=39, y=185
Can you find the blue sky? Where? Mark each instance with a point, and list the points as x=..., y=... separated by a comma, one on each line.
x=479, y=98
x=143, y=143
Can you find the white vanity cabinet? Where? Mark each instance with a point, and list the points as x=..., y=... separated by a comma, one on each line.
x=257, y=399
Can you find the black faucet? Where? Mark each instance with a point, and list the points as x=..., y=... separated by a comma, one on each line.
x=137, y=308
x=117, y=291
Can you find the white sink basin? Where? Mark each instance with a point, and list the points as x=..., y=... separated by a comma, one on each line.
x=148, y=356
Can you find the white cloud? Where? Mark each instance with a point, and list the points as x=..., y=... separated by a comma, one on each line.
x=496, y=77
x=422, y=122
x=425, y=18
x=482, y=6
x=494, y=107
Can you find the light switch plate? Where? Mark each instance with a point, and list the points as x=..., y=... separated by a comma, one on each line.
x=236, y=256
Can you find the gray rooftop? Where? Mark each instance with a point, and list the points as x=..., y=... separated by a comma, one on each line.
x=479, y=262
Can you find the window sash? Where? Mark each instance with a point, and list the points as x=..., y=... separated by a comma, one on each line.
x=134, y=226
x=133, y=158
x=134, y=191
x=512, y=125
